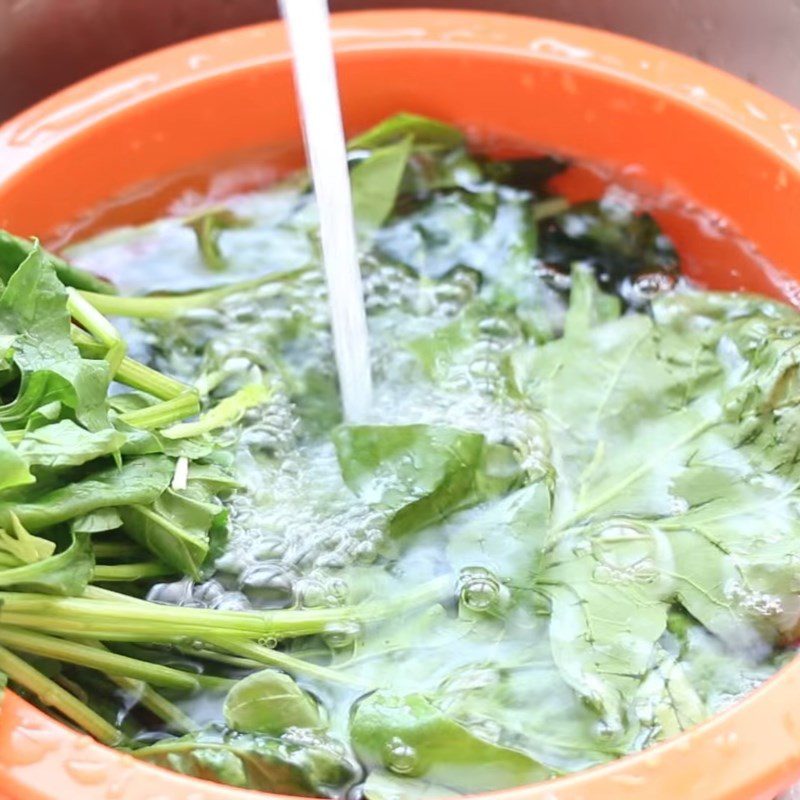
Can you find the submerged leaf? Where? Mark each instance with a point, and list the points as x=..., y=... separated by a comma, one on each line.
x=383, y=785
x=409, y=735
x=422, y=473
x=311, y=766
x=269, y=702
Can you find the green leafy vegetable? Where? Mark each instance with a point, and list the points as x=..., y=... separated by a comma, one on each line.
x=423, y=130
x=269, y=702
x=568, y=528
x=409, y=735
x=311, y=766
x=65, y=573
x=65, y=444
x=14, y=469
x=14, y=250
x=422, y=473
x=376, y=181
x=33, y=312
x=177, y=527
x=141, y=480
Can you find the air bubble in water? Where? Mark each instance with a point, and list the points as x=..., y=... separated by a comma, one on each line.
x=400, y=757
x=479, y=589
x=341, y=634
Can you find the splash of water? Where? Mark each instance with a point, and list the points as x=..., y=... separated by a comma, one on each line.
x=320, y=112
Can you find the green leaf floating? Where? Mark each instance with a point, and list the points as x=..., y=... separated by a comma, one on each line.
x=410, y=736
x=660, y=485
x=269, y=702
x=422, y=473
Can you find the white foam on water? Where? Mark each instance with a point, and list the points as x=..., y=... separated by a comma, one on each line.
x=320, y=112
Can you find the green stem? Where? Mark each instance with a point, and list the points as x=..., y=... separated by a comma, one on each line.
x=120, y=550
x=81, y=616
x=226, y=413
x=103, y=661
x=164, y=413
x=87, y=315
x=131, y=373
x=206, y=654
x=141, y=377
x=109, y=573
x=171, y=306
x=157, y=704
x=153, y=701
x=284, y=661
x=51, y=694
x=549, y=208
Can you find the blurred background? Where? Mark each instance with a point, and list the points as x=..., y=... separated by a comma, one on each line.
x=47, y=44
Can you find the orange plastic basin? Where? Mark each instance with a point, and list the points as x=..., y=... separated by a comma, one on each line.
x=657, y=118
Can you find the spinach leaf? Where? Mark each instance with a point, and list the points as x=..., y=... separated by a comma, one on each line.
x=608, y=591
x=98, y=521
x=588, y=305
x=138, y=481
x=507, y=534
x=422, y=473
x=20, y=547
x=408, y=735
x=269, y=702
x=65, y=573
x=14, y=250
x=382, y=785
x=66, y=444
x=423, y=130
x=178, y=527
x=609, y=394
x=524, y=701
x=307, y=766
x=33, y=310
x=666, y=702
x=376, y=182
x=14, y=469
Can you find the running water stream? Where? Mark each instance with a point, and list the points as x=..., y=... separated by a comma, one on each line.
x=320, y=113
